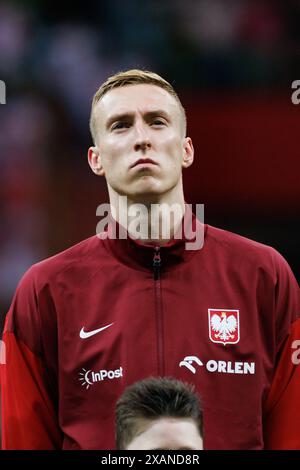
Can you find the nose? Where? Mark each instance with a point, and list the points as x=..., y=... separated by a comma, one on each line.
x=142, y=139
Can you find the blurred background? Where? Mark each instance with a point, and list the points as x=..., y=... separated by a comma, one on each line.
x=232, y=62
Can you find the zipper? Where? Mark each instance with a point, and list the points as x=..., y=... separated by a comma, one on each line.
x=156, y=263
x=158, y=310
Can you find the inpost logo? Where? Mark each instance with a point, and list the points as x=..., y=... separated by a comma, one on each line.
x=88, y=377
x=2, y=92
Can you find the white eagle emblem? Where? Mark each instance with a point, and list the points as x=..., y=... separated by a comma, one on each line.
x=224, y=326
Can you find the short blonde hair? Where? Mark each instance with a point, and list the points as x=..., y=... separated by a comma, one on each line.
x=132, y=77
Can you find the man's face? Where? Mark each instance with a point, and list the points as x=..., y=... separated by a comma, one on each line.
x=167, y=434
x=140, y=145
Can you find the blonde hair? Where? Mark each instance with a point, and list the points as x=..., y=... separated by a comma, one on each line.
x=132, y=77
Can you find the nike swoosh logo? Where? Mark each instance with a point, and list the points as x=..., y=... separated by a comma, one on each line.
x=87, y=334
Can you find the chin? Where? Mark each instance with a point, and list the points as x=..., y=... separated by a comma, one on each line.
x=146, y=188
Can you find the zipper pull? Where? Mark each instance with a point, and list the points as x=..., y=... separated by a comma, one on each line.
x=156, y=263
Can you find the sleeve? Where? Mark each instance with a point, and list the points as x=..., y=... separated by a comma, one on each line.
x=282, y=411
x=29, y=416
x=282, y=422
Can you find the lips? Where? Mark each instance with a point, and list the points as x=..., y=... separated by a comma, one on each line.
x=141, y=161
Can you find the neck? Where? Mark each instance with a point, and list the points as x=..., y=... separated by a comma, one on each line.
x=152, y=219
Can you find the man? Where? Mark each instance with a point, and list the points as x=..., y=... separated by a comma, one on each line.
x=115, y=309
x=159, y=413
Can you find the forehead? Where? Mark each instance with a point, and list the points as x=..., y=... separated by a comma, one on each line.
x=132, y=98
x=176, y=432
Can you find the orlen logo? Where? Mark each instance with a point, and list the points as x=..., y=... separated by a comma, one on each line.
x=88, y=377
x=188, y=361
x=221, y=367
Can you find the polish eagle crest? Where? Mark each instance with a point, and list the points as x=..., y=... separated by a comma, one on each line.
x=224, y=326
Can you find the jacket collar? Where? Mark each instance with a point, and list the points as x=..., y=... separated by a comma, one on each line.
x=138, y=255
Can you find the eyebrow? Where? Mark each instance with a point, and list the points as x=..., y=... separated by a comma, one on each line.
x=148, y=114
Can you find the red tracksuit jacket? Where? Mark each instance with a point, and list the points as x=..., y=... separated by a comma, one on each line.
x=105, y=313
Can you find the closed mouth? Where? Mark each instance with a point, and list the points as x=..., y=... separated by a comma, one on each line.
x=143, y=161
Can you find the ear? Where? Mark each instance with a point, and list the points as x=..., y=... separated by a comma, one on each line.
x=188, y=153
x=95, y=161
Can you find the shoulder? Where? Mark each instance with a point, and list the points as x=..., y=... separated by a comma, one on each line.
x=242, y=250
x=68, y=266
x=79, y=256
x=232, y=241
x=33, y=301
x=263, y=272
